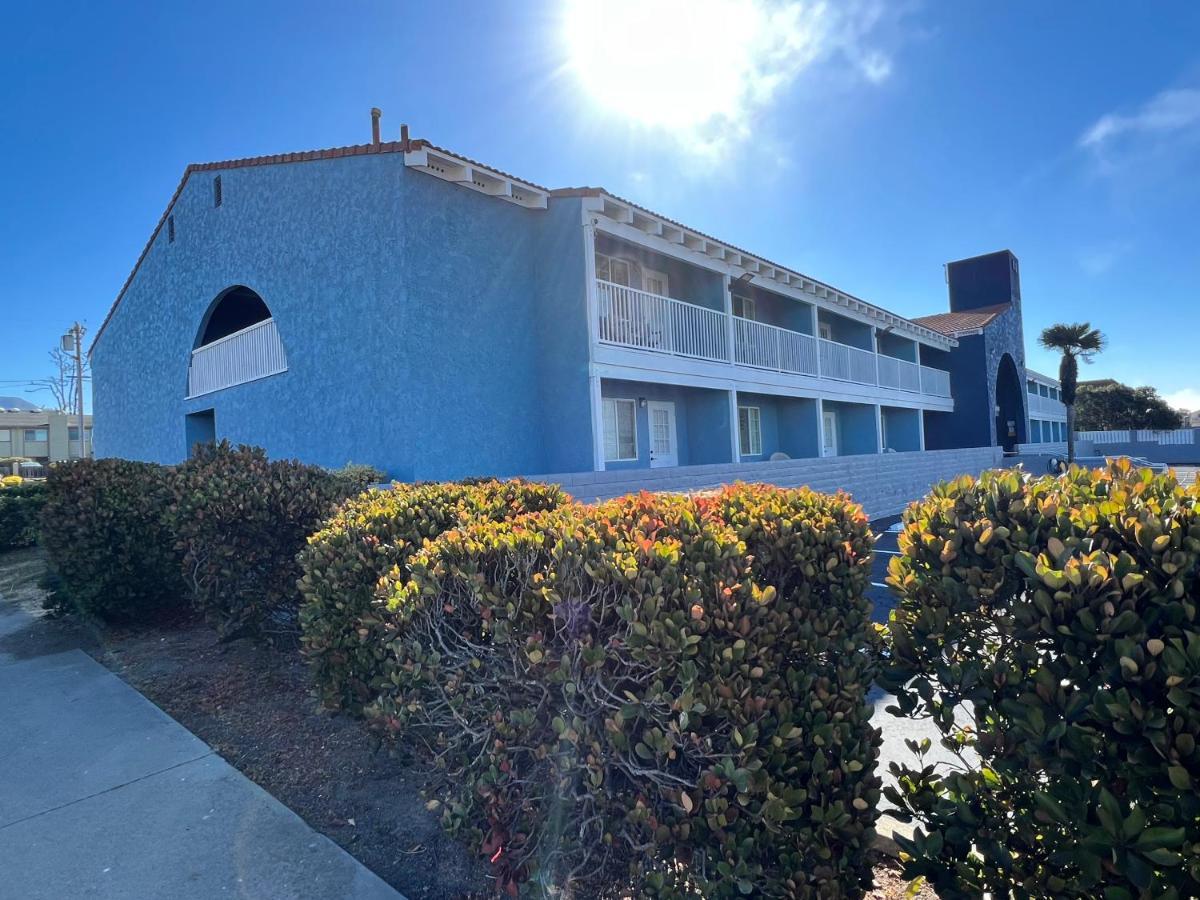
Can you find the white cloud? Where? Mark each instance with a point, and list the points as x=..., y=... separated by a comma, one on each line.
x=1165, y=113
x=707, y=73
x=1159, y=130
x=1188, y=398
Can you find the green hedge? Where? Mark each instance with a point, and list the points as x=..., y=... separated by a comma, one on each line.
x=110, y=548
x=1049, y=628
x=20, y=507
x=344, y=635
x=240, y=520
x=663, y=695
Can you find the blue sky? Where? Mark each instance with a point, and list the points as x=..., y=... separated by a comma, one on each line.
x=863, y=143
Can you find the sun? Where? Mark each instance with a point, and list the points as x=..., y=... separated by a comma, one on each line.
x=670, y=63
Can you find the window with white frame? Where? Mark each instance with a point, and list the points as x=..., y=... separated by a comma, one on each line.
x=37, y=434
x=743, y=307
x=654, y=282
x=749, y=431
x=614, y=269
x=620, y=430
x=824, y=331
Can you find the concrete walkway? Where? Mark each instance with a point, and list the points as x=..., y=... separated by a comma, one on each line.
x=103, y=795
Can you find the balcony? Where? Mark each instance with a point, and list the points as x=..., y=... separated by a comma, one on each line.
x=632, y=318
x=246, y=355
x=1046, y=406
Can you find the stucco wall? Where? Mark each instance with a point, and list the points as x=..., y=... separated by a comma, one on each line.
x=413, y=313
x=884, y=485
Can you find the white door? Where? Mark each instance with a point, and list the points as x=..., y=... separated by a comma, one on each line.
x=663, y=447
x=829, y=421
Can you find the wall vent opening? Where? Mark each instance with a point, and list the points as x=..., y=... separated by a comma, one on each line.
x=170, y=229
x=217, y=191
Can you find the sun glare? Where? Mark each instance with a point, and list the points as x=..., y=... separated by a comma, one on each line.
x=668, y=63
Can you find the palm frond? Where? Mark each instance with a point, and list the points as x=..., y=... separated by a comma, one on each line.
x=1075, y=339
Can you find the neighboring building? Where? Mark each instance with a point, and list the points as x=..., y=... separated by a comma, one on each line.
x=402, y=305
x=1047, y=412
x=41, y=435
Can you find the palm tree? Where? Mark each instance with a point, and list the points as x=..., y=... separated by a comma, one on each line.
x=1077, y=341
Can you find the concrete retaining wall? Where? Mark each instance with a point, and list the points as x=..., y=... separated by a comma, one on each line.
x=883, y=483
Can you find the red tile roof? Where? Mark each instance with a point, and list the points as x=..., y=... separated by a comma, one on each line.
x=955, y=323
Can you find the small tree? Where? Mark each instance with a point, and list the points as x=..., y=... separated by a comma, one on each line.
x=61, y=384
x=1076, y=341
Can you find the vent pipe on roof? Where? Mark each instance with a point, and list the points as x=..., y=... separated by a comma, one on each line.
x=376, y=112
x=404, y=137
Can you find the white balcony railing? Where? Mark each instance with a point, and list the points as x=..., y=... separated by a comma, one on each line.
x=935, y=382
x=769, y=347
x=899, y=373
x=1046, y=405
x=846, y=363
x=633, y=318
x=253, y=352
x=650, y=322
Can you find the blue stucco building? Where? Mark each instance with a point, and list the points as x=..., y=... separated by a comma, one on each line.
x=399, y=304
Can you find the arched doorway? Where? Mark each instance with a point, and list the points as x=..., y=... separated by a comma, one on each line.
x=1010, y=405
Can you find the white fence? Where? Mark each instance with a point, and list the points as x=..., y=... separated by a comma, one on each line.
x=245, y=355
x=1145, y=436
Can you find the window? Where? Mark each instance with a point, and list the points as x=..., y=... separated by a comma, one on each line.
x=37, y=434
x=654, y=282
x=1043, y=390
x=1053, y=393
x=5, y=435
x=749, y=431
x=217, y=198
x=620, y=430
x=743, y=307
x=1031, y=386
x=73, y=433
x=1035, y=431
x=610, y=268
x=170, y=229
x=825, y=331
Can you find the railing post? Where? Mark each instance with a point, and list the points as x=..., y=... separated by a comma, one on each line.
x=730, y=333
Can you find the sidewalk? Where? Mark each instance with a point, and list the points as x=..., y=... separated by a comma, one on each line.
x=103, y=795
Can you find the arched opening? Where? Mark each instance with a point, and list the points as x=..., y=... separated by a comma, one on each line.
x=1010, y=405
x=235, y=308
x=237, y=341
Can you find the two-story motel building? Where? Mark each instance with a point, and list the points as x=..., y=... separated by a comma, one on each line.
x=399, y=304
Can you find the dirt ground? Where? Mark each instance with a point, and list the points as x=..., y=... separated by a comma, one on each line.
x=254, y=706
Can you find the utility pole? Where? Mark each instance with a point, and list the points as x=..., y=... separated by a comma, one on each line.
x=72, y=342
